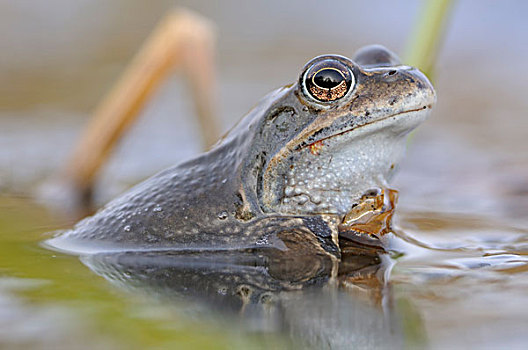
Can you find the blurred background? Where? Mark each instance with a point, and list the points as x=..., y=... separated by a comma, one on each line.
x=59, y=59
x=470, y=160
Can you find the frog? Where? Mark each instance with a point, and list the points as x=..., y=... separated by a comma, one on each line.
x=289, y=171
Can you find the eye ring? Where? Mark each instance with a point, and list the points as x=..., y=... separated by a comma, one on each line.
x=328, y=80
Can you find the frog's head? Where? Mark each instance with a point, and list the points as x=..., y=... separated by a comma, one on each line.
x=340, y=130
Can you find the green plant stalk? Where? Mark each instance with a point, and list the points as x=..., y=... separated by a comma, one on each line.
x=424, y=42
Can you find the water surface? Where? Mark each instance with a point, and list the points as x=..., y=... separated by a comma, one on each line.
x=449, y=280
x=456, y=276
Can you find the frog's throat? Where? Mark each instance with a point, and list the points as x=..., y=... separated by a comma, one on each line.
x=330, y=180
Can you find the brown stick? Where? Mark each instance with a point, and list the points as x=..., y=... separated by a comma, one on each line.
x=181, y=39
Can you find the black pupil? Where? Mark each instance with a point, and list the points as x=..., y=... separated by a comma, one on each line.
x=328, y=78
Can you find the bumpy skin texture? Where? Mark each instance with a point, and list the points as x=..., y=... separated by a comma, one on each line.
x=292, y=164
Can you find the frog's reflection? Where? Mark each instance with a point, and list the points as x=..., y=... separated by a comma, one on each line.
x=314, y=297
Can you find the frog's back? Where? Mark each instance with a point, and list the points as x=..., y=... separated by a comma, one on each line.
x=182, y=204
x=193, y=205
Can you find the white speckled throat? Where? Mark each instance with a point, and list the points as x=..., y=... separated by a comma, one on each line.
x=331, y=178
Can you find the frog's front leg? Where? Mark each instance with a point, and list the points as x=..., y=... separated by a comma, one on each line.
x=370, y=218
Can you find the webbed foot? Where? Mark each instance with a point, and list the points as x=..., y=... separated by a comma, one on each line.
x=370, y=218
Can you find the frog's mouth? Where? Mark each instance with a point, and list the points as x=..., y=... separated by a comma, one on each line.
x=415, y=116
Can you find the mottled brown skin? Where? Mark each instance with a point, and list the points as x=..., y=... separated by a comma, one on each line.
x=233, y=196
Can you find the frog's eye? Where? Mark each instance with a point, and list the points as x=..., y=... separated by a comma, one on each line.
x=328, y=80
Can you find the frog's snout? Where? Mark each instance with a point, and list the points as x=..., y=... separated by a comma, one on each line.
x=425, y=87
x=420, y=88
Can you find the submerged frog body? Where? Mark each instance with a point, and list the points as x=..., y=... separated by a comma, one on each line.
x=293, y=167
